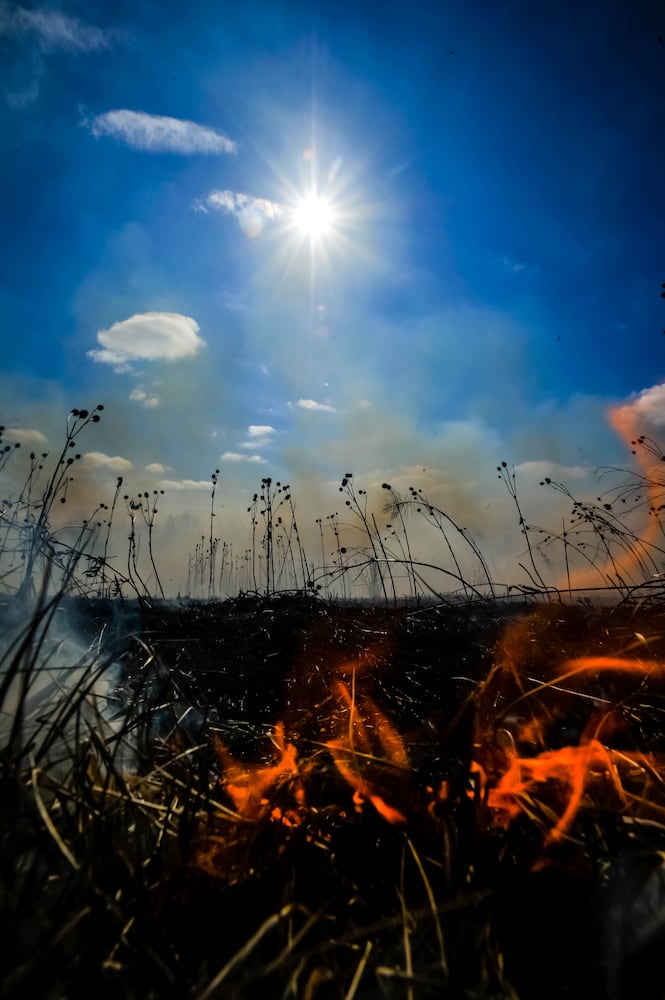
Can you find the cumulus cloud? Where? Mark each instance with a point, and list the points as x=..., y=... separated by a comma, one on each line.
x=258, y=436
x=24, y=435
x=139, y=395
x=647, y=406
x=260, y=430
x=149, y=336
x=236, y=456
x=99, y=460
x=159, y=133
x=157, y=469
x=56, y=31
x=311, y=404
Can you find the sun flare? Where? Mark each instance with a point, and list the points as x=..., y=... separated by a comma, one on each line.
x=314, y=217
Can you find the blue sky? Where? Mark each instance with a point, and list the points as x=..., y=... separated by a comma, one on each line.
x=488, y=284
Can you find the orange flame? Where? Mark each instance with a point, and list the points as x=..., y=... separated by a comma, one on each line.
x=526, y=697
x=582, y=664
x=247, y=786
x=354, y=757
x=584, y=699
x=572, y=768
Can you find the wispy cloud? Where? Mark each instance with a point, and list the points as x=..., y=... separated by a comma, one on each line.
x=185, y=484
x=159, y=133
x=149, y=336
x=552, y=470
x=518, y=266
x=56, y=31
x=150, y=400
x=236, y=456
x=114, y=463
x=252, y=213
x=311, y=404
x=234, y=202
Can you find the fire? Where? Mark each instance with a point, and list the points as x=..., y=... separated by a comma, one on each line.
x=369, y=748
x=248, y=787
x=355, y=760
x=273, y=793
x=572, y=768
x=536, y=697
x=585, y=664
x=367, y=753
x=528, y=759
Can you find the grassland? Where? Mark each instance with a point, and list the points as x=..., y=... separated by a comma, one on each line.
x=290, y=793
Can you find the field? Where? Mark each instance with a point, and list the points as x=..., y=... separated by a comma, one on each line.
x=286, y=794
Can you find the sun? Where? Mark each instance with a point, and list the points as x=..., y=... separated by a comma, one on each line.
x=314, y=217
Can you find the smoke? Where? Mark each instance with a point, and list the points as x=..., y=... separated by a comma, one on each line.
x=59, y=673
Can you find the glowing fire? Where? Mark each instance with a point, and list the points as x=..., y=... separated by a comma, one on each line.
x=572, y=767
x=515, y=770
x=368, y=752
x=248, y=787
x=518, y=772
x=353, y=752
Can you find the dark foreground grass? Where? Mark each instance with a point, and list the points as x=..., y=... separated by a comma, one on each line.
x=287, y=797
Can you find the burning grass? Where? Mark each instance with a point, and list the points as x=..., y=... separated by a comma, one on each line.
x=286, y=795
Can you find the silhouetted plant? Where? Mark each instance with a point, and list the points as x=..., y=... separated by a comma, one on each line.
x=509, y=478
x=28, y=539
x=356, y=501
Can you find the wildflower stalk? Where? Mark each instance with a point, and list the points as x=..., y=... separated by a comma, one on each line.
x=56, y=488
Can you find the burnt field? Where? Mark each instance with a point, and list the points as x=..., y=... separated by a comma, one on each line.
x=289, y=797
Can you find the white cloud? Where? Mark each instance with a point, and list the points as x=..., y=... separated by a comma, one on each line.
x=311, y=404
x=157, y=469
x=259, y=436
x=552, y=470
x=99, y=460
x=185, y=484
x=24, y=436
x=648, y=405
x=234, y=203
x=235, y=456
x=149, y=336
x=56, y=31
x=260, y=430
x=150, y=401
x=159, y=133
x=252, y=213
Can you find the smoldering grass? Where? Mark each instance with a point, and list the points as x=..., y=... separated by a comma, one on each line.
x=128, y=865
